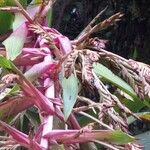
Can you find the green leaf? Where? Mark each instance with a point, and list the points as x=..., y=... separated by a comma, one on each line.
x=108, y=75
x=4, y=63
x=5, y=24
x=135, y=105
x=14, y=90
x=14, y=43
x=120, y=138
x=70, y=93
x=49, y=17
x=4, y=3
x=33, y=117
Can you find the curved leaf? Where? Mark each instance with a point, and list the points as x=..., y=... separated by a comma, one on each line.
x=70, y=93
x=14, y=43
x=108, y=75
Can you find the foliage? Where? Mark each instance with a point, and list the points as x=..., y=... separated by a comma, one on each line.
x=54, y=83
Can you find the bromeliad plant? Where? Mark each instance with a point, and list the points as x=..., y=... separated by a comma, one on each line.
x=54, y=92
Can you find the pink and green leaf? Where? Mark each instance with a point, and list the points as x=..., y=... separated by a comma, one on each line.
x=77, y=136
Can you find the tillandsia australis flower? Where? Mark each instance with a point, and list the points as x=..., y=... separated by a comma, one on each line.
x=40, y=63
x=51, y=72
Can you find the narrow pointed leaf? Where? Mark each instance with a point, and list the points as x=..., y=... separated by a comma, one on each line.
x=70, y=93
x=40, y=100
x=15, y=42
x=108, y=75
x=69, y=136
x=20, y=137
x=17, y=135
x=120, y=138
x=4, y=63
x=13, y=106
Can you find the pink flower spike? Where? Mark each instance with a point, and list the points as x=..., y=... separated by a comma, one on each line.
x=35, y=146
x=20, y=137
x=55, y=134
x=42, y=102
x=33, y=51
x=47, y=127
x=38, y=69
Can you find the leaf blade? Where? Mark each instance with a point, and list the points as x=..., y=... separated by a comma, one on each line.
x=15, y=42
x=107, y=74
x=70, y=93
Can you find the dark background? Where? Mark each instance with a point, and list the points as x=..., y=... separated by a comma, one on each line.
x=129, y=38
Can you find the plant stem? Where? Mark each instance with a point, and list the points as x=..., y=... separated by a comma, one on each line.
x=24, y=12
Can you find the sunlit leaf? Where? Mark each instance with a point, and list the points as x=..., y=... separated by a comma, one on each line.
x=14, y=90
x=15, y=42
x=8, y=91
x=109, y=76
x=70, y=93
